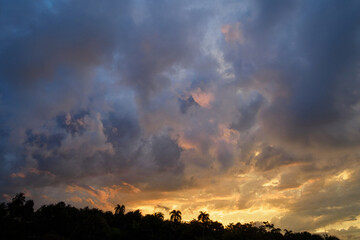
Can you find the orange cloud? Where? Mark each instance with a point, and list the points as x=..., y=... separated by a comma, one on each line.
x=204, y=99
x=75, y=199
x=104, y=197
x=132, y=188
x=18, y=175
x=25, y=172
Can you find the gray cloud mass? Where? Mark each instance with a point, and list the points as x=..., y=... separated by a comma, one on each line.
x=249, y=104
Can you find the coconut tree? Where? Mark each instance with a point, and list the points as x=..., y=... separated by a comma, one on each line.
x=203, y=217
x=120, y=209
x=175, y=216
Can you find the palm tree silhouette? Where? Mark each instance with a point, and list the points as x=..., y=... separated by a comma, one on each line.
x=175, y=216
x=159, y=215
x=120, y=209
x=203, y=217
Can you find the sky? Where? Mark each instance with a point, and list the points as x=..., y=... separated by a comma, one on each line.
x=249, y=110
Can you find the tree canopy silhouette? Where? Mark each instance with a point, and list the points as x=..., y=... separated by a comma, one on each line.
x=18, y=220
x=204, y=217
x=120, y=209
x=175, y=216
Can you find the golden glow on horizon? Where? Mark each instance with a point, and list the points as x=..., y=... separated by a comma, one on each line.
x=252, y=197
x=259, y=213
x=189, y=202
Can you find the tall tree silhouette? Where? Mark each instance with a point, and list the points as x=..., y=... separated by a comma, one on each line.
x=19, y=200
x=120, y=209
x=203, y=217
x=175, y=216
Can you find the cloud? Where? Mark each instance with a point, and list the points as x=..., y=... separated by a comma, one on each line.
x=349, y=233
x=186, y=103
x=233, y=33
x=248, y=109
x=271, y=157
x=232, y=107
x=317, y=70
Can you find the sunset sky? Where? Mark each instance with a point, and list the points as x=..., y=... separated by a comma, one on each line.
x=249, y=110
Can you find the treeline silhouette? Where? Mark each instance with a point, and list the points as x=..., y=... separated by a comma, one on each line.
x=18, y=220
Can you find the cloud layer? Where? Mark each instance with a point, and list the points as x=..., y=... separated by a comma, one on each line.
x=249, y=109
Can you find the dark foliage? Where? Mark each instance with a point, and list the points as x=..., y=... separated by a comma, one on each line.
x=18, y=220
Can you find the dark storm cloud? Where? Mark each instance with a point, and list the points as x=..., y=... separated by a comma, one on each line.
x=314, y=48
x=187, y=103
x=48, y=40
x=248, y=109
x=62, y=43
x=167, y=154
x=72, y=123
x=48, y=54
x=51, y=58
x=66, y=158
x=121, y=129
x=168, y=37
x=272, y=157
x=42, y=141
x=225, y=155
